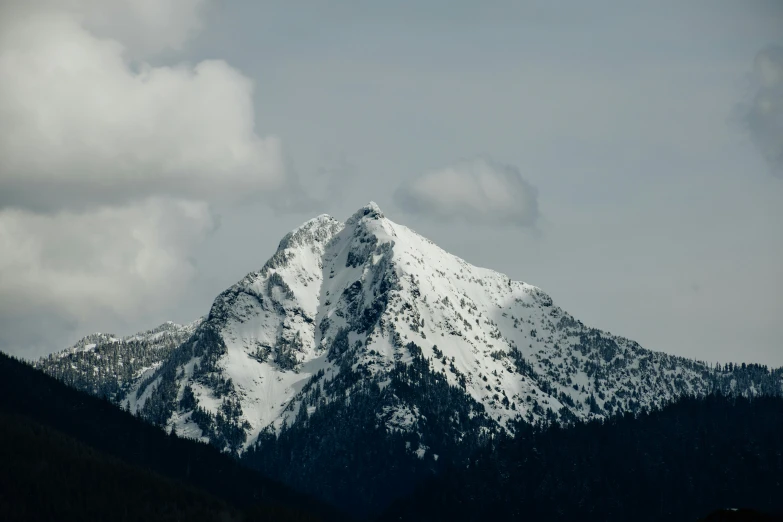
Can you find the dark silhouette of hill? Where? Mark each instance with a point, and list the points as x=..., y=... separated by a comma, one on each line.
x=741, y=515
x=63, y=444
x=679, y=463
x=47, y=475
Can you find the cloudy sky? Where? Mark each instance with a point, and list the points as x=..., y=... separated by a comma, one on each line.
x=625, y=157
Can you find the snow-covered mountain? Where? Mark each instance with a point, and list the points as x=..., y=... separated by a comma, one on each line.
x=370, y=307
x=107, y=365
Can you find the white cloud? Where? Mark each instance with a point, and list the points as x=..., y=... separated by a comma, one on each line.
x=478, y=191
x=79, y=125
x=108, y=261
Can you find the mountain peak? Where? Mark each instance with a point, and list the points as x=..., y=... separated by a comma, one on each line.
x=317, y=230
x=341, y=308
x=369, y=211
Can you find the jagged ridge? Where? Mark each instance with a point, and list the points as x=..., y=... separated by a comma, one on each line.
x=109, y=366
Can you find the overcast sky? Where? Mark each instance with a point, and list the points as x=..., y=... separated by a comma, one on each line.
x=626, y=157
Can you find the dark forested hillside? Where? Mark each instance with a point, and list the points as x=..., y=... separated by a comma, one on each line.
x=680, y=463
x=47, y=475
x=73, y=441
x=741, y=515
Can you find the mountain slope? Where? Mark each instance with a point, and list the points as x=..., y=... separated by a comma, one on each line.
x=50, y=427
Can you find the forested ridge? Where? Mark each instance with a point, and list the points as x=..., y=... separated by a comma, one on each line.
x=694, y=456
x=107, y=366
x=70, y=455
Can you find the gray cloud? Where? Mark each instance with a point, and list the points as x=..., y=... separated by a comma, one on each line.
x=118, y=260
x=764, y=115
x=340, y=176
x=330, y=186
x=145, y=27
x=33, y=335
x=293, y=198
x=480, y=191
